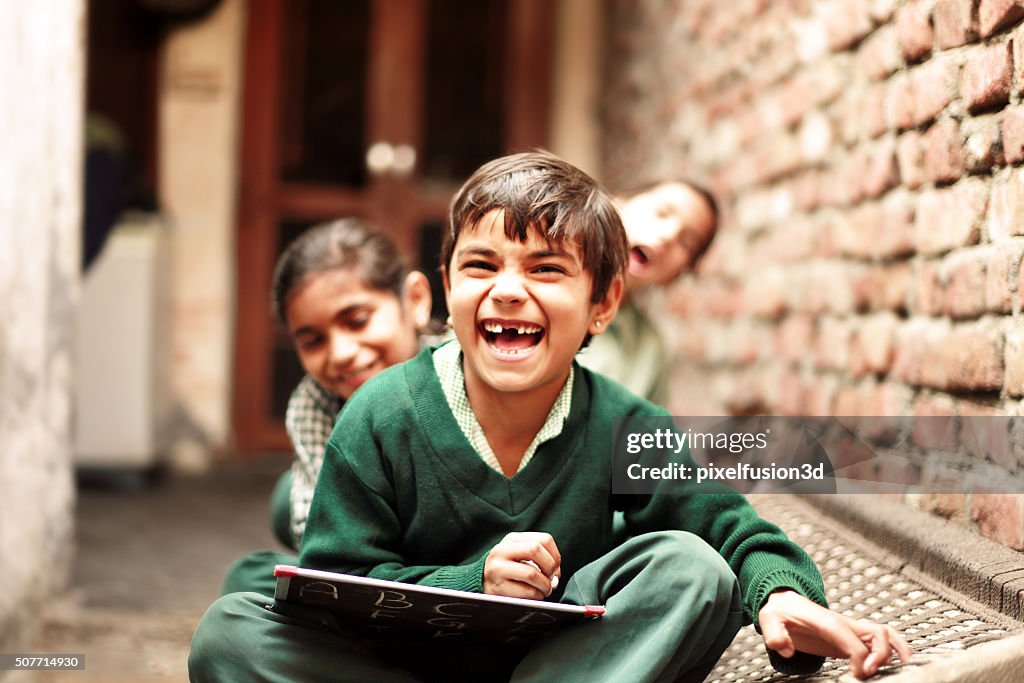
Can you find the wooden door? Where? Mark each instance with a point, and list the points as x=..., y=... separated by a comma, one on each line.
x=370, y=108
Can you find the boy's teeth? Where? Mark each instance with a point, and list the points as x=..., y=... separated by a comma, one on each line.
x=497, y=328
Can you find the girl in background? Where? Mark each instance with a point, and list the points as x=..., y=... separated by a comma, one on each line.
x=353, y=308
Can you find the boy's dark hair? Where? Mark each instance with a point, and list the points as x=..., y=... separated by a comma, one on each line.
x=537, y=190
x=344, y=243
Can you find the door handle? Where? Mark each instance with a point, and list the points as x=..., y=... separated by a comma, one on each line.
x=383, y=158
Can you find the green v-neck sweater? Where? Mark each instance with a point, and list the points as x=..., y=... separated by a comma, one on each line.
x=403, y=495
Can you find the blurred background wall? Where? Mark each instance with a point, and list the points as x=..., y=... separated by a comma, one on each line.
x=41, y=85
x=867, y=158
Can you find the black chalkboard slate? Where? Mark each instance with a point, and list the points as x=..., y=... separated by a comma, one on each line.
x=380, y=608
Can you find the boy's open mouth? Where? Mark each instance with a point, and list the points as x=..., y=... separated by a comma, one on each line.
x=511, y=337
x=639, y=258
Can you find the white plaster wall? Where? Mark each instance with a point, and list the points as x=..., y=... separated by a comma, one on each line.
x=41, y=75
x=198, y=175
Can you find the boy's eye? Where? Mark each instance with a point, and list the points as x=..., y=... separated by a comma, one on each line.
x=548, y=268
x=477, y=265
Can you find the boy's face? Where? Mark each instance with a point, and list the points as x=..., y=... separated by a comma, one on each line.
x=520, y=309
x=667, y=227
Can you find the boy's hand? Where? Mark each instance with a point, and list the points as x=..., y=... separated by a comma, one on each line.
x=523, y=565
x=790, y=623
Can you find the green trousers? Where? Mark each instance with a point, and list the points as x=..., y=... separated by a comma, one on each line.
x=673, y=606
x=255, y=572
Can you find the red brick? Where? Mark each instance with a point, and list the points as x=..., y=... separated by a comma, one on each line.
x=1000, y=517
x=973, y=356
x=846, y=24
x=948, y=218
x=985, y=433
x=828, y=79
x=827, y=288
x=910, y=159
x=985, y=81
x=1006, y=210
x=954, y=22
x=853, y=230
x=795, y=99
x=882, y=10
x=871, y=115
x=964, y=274
x=887, y=399
x=896, y=238
x=726, y=301
x=854, y=170
x=944, y=152
x=807, y=191
x=874, y=230
x=880, y=55
x=790, y=397
x=1001, y=271
x=1018, y=59
x=982, y=150
x=819, y=396
x=899, y=108
x=848, y=403
x=793, y=338
x=1013, y=382
x=1013, y=133
x=882, y=173
x=882, y=288
x=893, y=290
x=764, y=295
x=914, y=29
x=876, y=342
x=916, y=353
x=935, y=425
x=994, y=15
x=793, y=242
x=832, y=344
x=932, y=87
x=929, y=290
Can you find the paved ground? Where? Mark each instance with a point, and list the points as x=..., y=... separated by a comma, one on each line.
x=150, y=560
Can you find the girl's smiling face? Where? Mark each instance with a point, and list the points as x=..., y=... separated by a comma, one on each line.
x=345, y=333
x=520, y=309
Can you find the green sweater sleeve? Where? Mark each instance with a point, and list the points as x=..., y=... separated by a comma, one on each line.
x=353, y=527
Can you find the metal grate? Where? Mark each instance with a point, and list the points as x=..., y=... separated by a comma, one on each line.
x=864, y=582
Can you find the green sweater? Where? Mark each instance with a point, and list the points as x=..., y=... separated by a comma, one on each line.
x=403, y=496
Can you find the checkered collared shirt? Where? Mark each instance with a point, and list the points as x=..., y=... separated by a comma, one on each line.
x=448, y=363
x=309, y=419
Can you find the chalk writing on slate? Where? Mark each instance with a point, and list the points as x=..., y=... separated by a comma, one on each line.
x=403, y=610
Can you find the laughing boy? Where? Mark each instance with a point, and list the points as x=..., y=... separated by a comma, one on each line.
x=485, y=465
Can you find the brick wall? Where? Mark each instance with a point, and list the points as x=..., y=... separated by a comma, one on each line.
x=868, y=158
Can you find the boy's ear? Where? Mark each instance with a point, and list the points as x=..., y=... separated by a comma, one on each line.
x=417, y=299
x=604, y=311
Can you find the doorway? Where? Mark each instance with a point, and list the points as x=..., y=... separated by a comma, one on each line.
x=370, y=108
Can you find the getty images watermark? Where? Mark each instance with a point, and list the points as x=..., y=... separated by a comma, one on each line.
x=819, y=454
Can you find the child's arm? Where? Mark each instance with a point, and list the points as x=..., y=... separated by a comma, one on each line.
x=523, y=565
x=790, y=623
